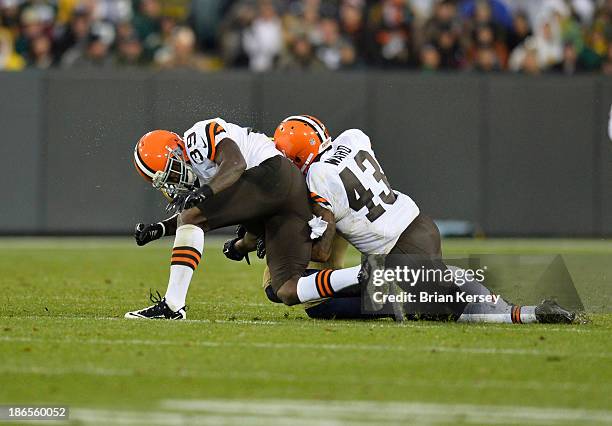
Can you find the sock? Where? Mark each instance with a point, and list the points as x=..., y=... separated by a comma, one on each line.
x=186, y=254
x=326, y=283
x=526, y=315
x=491, y=313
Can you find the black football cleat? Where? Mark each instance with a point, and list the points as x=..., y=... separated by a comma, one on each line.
x=160, y=310
x=549, y=312
x=365, y=279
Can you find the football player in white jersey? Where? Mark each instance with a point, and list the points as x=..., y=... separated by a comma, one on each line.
x=350, y=191
x=220, y=174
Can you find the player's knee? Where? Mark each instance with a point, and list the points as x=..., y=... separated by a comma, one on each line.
x=288, y=293
x=192, y=216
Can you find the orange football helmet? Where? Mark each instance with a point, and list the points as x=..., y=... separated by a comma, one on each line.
x=301, y=138
x=160, y=158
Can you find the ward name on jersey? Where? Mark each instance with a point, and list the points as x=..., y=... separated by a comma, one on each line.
x=349, y=181
x=201, y=144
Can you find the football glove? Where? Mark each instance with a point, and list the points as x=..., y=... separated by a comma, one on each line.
x=188, y=200
x=176, y=204
x=230, y=251
x=261, y=248
x=144, y=234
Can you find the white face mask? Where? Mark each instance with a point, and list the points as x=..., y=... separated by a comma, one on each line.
x=177, y=177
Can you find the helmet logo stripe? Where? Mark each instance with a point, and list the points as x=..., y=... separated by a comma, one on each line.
x=319, y=131
x=146, y=170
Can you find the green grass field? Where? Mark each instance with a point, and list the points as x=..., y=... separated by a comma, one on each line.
x=242, y=360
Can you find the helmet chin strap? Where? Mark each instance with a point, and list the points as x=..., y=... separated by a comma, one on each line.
x=159, y=179
x=307, y=162
x=322, y=148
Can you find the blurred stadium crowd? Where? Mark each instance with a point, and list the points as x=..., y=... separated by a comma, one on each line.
x=527, y=36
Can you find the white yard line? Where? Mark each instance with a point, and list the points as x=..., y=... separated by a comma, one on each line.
x=332, y=413
x=391, y=411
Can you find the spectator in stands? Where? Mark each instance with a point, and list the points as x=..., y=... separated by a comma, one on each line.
x=331, y=44
x=9, y=60
x=352, y=27
x=130, y=52
x=74, y=34
x=181, y=53
x=300, y=56
x=571, y=63
x=519, y=32
x=390, y=30
x=232, y=32
x=606, y=67
x=114, y=11
x=485, y=43
x=302, y=18
x=95, y=54
x=33, y=25
x=430, y=58
x=147, y=22
x=444, y=17
x=422, y=9
x=491, y=13
x=40, y=55
x=348, y=57
x=262, y=41
x=449, y=49
x=548, y=43
x=9, y=16
x=526, y=59
x=563, y=36
x=487, y=60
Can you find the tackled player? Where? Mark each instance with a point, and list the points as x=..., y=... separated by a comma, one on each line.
x=222, y=174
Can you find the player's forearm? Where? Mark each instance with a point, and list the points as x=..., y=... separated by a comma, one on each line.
x=247, y=244
x=322, y=247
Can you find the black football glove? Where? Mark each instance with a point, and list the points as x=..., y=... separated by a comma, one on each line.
x=241, y=231
x=188, y=200
x=146, y=233
x=193, y=199
x=176, y=205
x=261, y=248
x=230, y=251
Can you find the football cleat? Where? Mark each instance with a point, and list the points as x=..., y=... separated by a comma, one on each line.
x=160, y=310
x=549, y=312
x=365, y=279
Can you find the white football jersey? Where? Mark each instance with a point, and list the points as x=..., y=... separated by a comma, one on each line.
x=348, y=180
x=201, y=143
